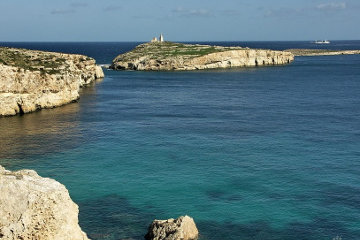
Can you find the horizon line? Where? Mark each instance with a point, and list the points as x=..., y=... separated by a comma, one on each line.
x=185, y=41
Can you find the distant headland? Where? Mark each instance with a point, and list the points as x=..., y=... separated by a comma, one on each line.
x=322, y=52
x=160, y=55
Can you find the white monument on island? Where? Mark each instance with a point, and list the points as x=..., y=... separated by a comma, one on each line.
x=161, y=39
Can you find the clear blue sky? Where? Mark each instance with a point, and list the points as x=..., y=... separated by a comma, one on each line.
x=179, y=20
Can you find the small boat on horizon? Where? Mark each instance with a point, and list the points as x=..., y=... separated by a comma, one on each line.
x=322, y=42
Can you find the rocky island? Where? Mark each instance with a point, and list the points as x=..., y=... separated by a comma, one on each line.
x=170, y=56
x=32, y=80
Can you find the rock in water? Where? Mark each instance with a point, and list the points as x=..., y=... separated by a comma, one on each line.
x=32, y=80
x=32, y=207
x=183, y=228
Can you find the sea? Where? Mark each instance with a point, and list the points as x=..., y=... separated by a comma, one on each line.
x=262, y=153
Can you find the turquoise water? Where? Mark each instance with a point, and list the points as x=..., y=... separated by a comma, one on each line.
x=254, y=153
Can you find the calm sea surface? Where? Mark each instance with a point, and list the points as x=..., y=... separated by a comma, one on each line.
x=252, y=153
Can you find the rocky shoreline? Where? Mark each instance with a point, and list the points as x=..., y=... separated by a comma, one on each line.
x=33, y=80
x=169, y=56
x=33, y=207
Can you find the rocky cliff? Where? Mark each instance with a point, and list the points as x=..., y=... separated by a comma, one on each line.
x=32, y=207
x=167, y=56
x=31, y=80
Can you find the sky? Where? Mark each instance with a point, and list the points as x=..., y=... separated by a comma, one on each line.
x=179, y=20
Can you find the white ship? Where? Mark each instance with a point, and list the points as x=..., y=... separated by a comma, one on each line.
x=322, y=42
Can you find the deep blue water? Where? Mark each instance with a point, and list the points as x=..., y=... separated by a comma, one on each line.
x=252, y=153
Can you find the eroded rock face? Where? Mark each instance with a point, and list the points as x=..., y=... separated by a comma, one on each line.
x=182, y=228
x=175, y=56
x=32, y=80
x=32, y=207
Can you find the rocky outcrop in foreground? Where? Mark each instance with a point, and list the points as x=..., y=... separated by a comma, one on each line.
x=32, y=80
x=32, y=207
x=182, y=228
x=322, y=52
x=167, y=56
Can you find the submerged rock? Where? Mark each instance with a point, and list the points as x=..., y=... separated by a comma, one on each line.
x=157, y=56
x=32, y=207
x=182, y=228
x=32, y=80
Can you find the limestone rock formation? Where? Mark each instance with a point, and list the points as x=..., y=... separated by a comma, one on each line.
x=182, y=228
x=32, y=207
x=31, y=80
x=167, y=56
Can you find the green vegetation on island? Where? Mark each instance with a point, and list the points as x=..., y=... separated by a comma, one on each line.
x=163, y=50
x=45, y=62
x=169, y=56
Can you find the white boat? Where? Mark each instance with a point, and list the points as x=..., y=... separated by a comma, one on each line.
x=322, y=42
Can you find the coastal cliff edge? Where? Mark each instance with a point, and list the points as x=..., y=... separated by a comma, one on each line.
x=32, y=80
